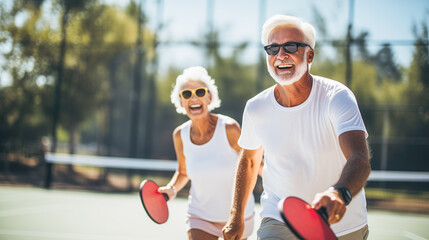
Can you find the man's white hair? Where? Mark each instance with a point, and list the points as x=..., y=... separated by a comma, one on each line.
x=283, y=20
x=196, y=73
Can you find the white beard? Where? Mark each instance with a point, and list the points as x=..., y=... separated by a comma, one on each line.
x=300, y=70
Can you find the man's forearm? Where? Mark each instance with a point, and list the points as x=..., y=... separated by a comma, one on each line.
x=357, y=169
x=247, y=174
x=355, y=174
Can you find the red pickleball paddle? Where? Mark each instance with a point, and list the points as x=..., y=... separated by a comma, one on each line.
x=305, y=222
x=154, y=202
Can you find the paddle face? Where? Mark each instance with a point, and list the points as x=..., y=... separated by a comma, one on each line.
x=154, y=202
x=305, y=222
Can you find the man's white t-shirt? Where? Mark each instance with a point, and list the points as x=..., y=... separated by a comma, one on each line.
x=301, y=148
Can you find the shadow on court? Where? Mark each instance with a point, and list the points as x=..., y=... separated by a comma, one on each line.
x=36, y=213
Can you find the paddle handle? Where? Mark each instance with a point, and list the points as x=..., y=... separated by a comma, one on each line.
x=323, y=213
x=165, y=196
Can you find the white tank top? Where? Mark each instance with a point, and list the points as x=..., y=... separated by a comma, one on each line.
x=211, y=167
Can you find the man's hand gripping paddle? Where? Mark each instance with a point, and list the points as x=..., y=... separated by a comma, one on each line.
x=154, y=202
x=304, y=221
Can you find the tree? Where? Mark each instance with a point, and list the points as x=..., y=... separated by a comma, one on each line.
x=96, y=38
x=417, y=93
x=67, y=7
x=236, y=82
x=384, y=59
x=22, y=120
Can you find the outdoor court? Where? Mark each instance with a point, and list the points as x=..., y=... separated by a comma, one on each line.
x=37, y=213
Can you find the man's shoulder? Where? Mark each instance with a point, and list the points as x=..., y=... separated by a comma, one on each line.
x=336, y=93
x=261, y=97
x=330, y=86
x=328, y=81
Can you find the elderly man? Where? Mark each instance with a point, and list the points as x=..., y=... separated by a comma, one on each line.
x=312, y=136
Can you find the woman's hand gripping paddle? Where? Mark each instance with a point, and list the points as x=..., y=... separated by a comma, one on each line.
x=304, y=221
x=154, y=202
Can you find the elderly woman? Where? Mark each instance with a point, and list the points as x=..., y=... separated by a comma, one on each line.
x=207, y=154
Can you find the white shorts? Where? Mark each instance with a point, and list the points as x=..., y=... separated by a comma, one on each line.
x=215, y=228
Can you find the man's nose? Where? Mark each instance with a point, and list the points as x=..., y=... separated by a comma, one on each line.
x=282, y=54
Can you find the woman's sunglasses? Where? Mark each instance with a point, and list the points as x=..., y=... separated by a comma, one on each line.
x=289, y=47
x=199, y=92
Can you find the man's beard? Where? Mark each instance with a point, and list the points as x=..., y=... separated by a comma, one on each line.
x=300, y=70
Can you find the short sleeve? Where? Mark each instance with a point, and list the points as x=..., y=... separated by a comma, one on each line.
x=344, y=113
x=248, y=138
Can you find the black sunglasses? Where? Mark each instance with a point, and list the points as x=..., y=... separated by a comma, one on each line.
x=289, y=47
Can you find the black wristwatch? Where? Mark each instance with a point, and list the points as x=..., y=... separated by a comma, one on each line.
x=345, y=194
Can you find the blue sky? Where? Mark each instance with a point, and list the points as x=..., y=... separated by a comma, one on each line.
x=239, y=21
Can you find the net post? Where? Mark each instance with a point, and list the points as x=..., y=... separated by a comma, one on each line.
x=48, y=174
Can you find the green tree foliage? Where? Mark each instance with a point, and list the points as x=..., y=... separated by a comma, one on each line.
x=409, y=123
x=419, y=69
x=21, y=108
x=417, y=91
x=236, y=82
x=99, y=39
x=99, y=69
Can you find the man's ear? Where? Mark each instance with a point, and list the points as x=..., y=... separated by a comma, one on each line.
x=310, y=56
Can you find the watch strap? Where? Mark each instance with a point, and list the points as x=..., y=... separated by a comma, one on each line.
x=345, y=194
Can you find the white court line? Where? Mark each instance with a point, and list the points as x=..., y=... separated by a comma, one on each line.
x=413, y=236
x=21, y=198
x=12, y=197
x=29, y=210
x=59, y=235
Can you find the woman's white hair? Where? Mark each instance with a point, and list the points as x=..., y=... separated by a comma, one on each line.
x=282, y=20
x=196, y=73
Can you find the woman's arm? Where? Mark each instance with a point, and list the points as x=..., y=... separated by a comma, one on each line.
x=180, y=177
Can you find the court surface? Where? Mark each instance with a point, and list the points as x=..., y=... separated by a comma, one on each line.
x=36, y=213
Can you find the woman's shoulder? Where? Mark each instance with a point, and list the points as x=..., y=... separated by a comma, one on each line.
x=227, y=120
x=230, y=123
x=177, y=131
x=232, y=130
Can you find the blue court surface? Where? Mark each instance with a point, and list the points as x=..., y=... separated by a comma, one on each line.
x=36, y=214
